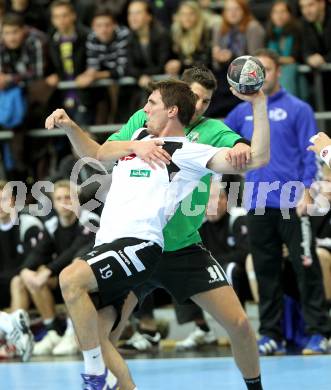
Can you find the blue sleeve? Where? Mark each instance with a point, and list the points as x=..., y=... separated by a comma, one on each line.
x=305, y=128
x=233, y=120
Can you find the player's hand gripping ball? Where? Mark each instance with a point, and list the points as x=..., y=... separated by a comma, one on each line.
x=246, y=74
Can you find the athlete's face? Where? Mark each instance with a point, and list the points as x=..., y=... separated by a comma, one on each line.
x=203, y=100
x=272, y=74
x=157, y=113
x=62, y=202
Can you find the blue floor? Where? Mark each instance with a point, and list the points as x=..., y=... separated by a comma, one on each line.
x=279, y=373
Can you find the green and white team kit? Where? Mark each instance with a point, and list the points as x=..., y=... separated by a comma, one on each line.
x=182, y=229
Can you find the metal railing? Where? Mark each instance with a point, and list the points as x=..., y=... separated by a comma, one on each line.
x=321, y=115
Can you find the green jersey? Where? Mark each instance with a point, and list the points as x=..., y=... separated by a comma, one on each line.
x=182, y=229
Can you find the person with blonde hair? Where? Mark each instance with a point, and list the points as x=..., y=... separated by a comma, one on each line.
x=191, y=38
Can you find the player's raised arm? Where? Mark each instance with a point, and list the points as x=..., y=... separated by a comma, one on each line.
x=83, y=144
x=260, y=146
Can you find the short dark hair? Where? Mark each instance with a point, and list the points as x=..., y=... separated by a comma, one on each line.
x=177, y=93
x=201, y=75
x=104, y=11
x=62, y=3
x=264, y=52
x=12, y=19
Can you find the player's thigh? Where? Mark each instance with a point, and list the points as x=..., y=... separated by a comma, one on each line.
x=223, y=304
x=190, y=271
x=78, y=274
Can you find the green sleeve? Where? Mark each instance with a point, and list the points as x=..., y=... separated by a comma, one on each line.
x=213, y=132
x=135, y=122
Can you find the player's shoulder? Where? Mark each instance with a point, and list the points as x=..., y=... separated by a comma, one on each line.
x=298, y=103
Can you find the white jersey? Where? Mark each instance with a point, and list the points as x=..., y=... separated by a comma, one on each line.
x=141, y=200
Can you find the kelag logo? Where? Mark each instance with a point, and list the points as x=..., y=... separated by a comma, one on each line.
x=140, y=173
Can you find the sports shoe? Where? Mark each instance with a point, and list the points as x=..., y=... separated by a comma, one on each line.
x=141, y=342
x=197, y=338
x=67, y=345
x=47, y=344
x=21, y=336
x=96, y=382
x=316, y=345
x=268, y=346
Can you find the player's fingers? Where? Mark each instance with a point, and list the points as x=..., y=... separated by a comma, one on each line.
x=159, y=158
x=242, y=160
x=248, y=157
x=234, y=161
x=228, y=157
x=165, y=155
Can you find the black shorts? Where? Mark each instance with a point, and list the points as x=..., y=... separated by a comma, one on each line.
x=184, y=273
x=121, y=266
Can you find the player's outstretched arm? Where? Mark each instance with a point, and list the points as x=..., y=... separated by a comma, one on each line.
x=260, y=146
x=83, y=144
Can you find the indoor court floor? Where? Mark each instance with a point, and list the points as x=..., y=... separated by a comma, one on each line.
x=278, y=373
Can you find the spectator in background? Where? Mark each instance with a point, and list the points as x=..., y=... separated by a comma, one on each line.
x=19, y=234
x=164, y=11
x=107, y=56
x=317, y=43
x=191, y=39
x=67, y=52
x=34, y=14
x=22, y=60
x=66, y=234
x=292, y=124
x=2, y=12
x=238, y=34
x=211, y=17
x=149, y=48
x=284, y=36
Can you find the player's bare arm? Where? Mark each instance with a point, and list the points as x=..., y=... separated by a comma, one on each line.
x=149, y=151
x=260, y=147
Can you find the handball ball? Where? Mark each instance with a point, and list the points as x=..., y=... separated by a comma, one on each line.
x=246, y=74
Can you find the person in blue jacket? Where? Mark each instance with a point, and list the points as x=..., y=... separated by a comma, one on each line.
x=277, y=197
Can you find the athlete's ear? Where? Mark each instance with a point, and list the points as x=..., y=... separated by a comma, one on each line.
x=173, y=111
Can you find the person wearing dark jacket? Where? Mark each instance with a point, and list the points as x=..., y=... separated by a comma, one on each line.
x=149, y=48
x=19, y=234
x=317, y=32
x=66, y=234
x=67, y=59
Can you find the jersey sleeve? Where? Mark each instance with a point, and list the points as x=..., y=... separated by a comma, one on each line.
x=126, y=132
x=193, y=159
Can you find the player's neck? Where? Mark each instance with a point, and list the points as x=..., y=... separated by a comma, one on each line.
x=173, y=129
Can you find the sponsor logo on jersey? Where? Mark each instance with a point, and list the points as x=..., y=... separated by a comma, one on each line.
x=140, y=173
x=193, y=136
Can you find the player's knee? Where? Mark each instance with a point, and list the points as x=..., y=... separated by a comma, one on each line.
x=17, y=284
x=243, y=326
x=71, y=281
